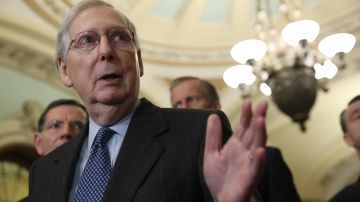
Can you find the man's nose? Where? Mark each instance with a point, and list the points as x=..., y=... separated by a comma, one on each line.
x=105, y=48
x=67, y=131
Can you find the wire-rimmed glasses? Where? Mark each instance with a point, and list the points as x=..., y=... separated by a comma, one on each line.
x=120, y=38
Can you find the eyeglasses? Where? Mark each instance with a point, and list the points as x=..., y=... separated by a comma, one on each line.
x=55, y=125
x=119, y=37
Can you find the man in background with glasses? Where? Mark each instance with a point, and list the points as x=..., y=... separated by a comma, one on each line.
x=132, y=150
x=61, y=121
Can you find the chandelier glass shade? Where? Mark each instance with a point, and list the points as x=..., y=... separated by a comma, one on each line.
x=289, y=69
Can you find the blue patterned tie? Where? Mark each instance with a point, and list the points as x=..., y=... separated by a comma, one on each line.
x=97, y=170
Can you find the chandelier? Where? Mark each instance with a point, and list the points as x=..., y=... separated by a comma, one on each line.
x=289, y=69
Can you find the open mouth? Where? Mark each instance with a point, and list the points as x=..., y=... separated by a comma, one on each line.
x=110, y=77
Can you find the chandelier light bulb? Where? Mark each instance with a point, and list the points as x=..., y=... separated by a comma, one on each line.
x=239, y=74
x=319, y=73
x=331, y=69
x=299, y=30
x=248, y=49
x=328, y=70
x=265, y=89
x=337, y=43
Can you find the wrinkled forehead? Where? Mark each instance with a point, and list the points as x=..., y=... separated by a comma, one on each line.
x=96, y=18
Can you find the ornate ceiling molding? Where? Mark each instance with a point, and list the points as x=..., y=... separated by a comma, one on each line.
x=53, y=11
x=30, y=62
x=50, y=10
x=160, y=54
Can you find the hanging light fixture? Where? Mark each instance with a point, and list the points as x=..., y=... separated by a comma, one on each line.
x=289, y=69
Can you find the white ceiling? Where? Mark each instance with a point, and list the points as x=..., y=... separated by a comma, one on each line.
x=183, y=37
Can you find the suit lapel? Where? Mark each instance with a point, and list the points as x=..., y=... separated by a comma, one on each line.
x=139, y=152
x=65, y=163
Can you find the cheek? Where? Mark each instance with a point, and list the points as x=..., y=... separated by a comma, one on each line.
x=353, y=127
x=51, y=137
x=80, y=66
x=47, y=141
x=82, y=77
x=132, y=73
x=203, y=104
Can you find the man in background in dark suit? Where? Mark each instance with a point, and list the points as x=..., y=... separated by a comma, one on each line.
x=350, y=125
x=276, y=184
x=132, y=150
x=61, y=121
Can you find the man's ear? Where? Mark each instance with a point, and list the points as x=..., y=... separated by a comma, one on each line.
x=140, y=63
x=63, y=73
x=348, y=139
x=37, y=143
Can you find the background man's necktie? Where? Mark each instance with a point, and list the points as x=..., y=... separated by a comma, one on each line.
x=97, y=170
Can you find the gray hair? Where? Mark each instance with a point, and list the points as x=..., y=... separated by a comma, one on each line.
x=208, y=89
x=63, y=38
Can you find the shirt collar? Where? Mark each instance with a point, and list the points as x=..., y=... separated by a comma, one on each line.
x=120, y=128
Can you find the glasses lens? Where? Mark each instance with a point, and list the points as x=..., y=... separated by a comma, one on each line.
x=120, y=36
x=86, y=39
x=54, y=124
x=76, y=125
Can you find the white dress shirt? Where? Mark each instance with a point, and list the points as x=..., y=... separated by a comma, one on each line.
x=113, y=145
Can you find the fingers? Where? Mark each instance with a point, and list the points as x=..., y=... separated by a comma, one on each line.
x=259, y=137
x=250, y=133
x=260, y=129
x=255, y=134
x=246, y=115
x=261, y=109
x=213, y=135
x=259, y=160
x=251, y=130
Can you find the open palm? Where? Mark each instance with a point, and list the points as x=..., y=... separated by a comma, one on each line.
x=232, y=171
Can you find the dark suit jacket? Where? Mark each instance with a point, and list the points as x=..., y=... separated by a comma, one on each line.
x=350, y=193
x=160, y=160
x=277, y=184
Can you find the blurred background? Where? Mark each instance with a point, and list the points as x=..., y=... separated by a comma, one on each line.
x=183, y=37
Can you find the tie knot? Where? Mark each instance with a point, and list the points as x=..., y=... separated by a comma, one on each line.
x=103, y=135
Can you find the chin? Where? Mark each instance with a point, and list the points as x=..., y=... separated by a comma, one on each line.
x=111, y=100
